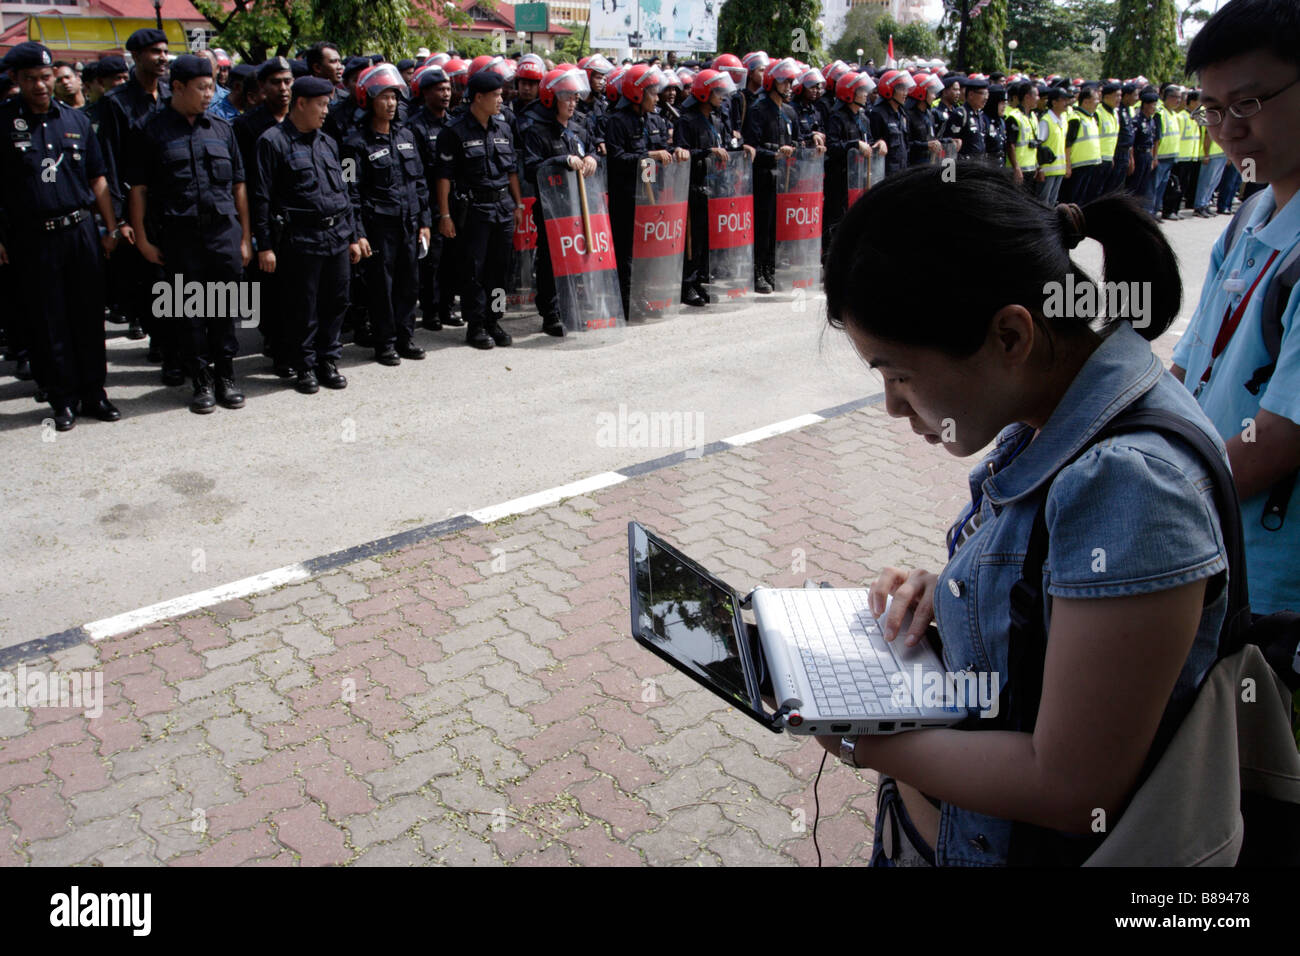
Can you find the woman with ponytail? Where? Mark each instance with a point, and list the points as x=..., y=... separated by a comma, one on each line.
x=1132, y=585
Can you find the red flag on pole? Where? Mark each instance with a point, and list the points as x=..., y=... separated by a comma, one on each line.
x=891, y=46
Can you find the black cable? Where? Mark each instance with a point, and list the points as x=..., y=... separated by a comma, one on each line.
x=817, y=807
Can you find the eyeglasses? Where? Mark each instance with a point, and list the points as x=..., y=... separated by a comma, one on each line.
x=1242, y=109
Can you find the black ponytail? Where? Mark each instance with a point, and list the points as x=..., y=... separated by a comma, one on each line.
x=1003, y=247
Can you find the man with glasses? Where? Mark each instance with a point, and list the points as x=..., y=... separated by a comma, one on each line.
x=1248, y=58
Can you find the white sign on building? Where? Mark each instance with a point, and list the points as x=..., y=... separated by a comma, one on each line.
x=655, y=24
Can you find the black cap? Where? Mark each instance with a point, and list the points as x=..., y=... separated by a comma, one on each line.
x=312, y=86
x=485, y=81
x=355, y=64
x=277, y=64
x=146, y=37
x=972, y=84
x=1149, y=95
x=1055, y=93
x=1129, y=87
x=27, y=55
x=407, y=64
x=432, y=76
x=1109, y=87
x=108, y=65
x=298, y=67
x=243, y=72
x=950, y=78
x=187, y=67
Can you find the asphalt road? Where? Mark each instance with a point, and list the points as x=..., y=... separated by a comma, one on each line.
x=112, y=517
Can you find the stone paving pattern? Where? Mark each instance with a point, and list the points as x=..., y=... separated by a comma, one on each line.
x=477, y=699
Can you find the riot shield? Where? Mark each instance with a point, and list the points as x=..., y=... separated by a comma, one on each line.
x=658, y=238
x=521, y=291
x=949, y=152
x=730, y=187
x=864, y=172
x=582, y=253
x=799, y=220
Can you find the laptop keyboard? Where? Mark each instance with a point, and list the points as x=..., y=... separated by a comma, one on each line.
x=847, y=659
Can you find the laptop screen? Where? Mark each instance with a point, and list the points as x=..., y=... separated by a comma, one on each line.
x=687, y=617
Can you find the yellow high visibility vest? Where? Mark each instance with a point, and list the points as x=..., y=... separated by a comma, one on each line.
x=1108, y=123
x=1086, y=150
x=1026, y=155
x=1189, y=146
x=1055, y=141
x=1212, y=148
x=1171, y=133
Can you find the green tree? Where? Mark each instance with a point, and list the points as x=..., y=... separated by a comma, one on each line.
x=367, y=25
x=916, y=40
x=780, y=27
x=860, y=33
x=256, y=29
x=977, y=38
x=573, y=47
x=1144, y=41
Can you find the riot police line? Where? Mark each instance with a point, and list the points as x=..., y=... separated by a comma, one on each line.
x=354, y=193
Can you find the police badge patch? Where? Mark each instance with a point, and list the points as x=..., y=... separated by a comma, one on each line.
x=20, y=124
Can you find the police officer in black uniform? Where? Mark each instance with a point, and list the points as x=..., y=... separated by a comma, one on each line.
x=920, y=125
x=189, y=210
x=634, y=132
x=946, y=128
x=974, y=124
x=301, y=195
x=275, y=78
x=438, y=267
x=772, y=128
x=51, y=173
x=1145, y=141
x=886, y=122
x=123, y=111
x=995, y=131
x=551, y=134
x=810, y=89
x=1124, y=115
x=477, y=153
x=390, y=197
x=702, y=131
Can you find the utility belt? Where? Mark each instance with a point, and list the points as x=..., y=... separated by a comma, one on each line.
x=66, y=221
x=308, y=218
x=204, y=221
x=487, y=195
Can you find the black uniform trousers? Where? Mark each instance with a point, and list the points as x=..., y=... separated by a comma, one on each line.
x=484, y=246
x=391, y=278
x=1081, y=185
x=765, y=222
x=203, y=254
x=271, y=319
x=696, y=267
x=548, y=303
x=835, y=201
x=622, y=221
x=61, y=277
x=315, y=298
x=438, y=276
x=1118, y=174
x=1137, y=183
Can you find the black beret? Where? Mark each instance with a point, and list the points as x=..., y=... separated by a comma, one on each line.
x=242, y=73
x=950, y=78
x=405, y=64
x=27, y=55
x=431, y=76
x=355, y=64
x=485, y=81
x=109, y=65
x=970, y=84
x=312, y=86
x=277, y=64
x=1149, y=95
x=1108, y=88
x=1129, y=87
x=187, y=67
x=298, y=67
x=144, y=38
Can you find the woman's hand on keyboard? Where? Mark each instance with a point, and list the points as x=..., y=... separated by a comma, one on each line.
x=913, y=594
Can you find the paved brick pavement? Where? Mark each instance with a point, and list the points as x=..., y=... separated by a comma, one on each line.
x=477, y=699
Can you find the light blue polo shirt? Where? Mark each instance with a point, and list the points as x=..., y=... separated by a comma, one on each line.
x=1272, y=557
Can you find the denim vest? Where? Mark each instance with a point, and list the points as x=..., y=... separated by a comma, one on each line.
x=1134, y=514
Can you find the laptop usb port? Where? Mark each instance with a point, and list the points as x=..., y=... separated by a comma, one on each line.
x=885, y=725
x=840, y=728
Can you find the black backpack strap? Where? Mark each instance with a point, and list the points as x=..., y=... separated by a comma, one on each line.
x=1027, y=654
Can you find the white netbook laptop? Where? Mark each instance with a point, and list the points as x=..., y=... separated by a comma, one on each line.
x=819, y=653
